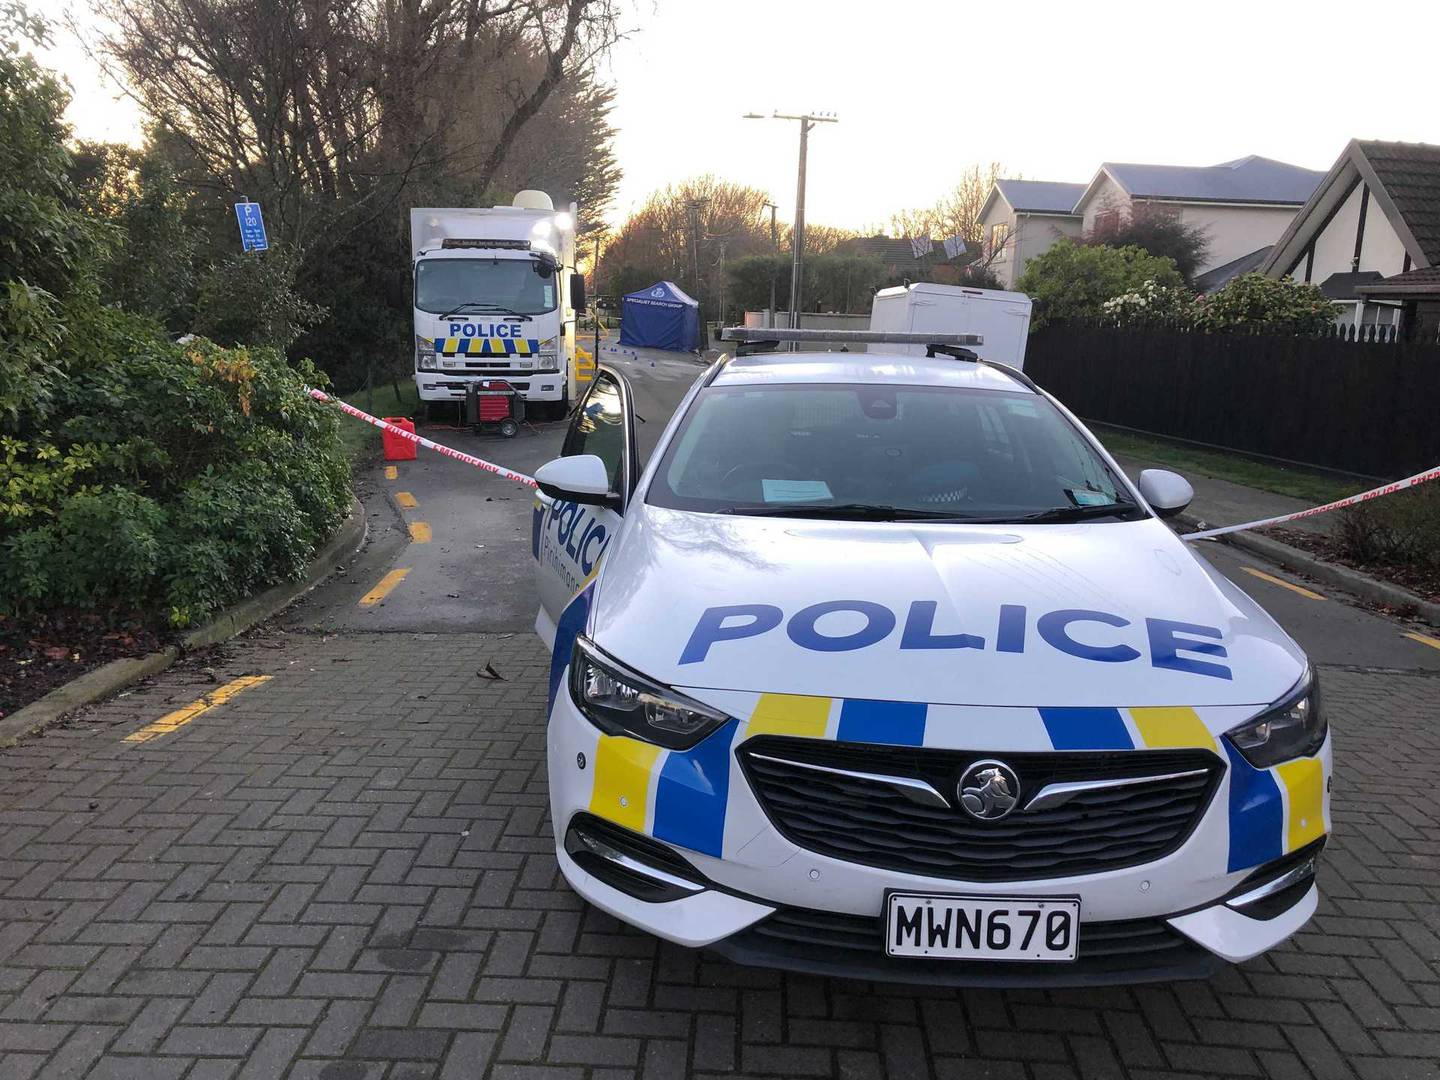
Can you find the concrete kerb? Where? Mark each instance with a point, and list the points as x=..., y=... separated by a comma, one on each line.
x=118, y=674
x=1341, y=577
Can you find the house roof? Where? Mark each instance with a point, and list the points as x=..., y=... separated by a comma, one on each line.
x=1217, y=278
x=1343, y=286
x=1410, y=174
x=1250, y=179
x=1040, y=196
x=1404, y=181
x=1413, y=283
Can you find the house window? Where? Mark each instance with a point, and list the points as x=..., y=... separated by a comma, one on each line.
x=999, y=237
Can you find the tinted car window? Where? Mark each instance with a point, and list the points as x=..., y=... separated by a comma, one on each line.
x=599, y=429
x=938, y=451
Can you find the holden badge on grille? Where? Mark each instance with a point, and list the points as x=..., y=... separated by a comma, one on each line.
x=989, y=790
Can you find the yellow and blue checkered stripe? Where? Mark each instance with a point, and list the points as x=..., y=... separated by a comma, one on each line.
x=682, y=797
x=477, y=346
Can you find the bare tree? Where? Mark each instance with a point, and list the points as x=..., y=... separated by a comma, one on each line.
x=334, y=107
x=673, y=233
x=957, y=213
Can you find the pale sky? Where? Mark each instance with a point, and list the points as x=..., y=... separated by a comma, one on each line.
x=925, y=88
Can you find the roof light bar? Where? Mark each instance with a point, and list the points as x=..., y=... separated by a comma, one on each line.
x=452, y=242
x=853, y=337
x=754, y=339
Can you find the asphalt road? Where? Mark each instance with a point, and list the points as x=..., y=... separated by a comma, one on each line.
x=323, y=851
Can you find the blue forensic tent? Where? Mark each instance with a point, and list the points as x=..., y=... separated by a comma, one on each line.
x=660, y=317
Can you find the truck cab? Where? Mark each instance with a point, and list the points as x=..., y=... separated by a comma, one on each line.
x=495, y=295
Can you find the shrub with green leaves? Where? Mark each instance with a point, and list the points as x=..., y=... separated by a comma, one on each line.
x=172, y=478
x=1073, y=281
x=1254, y=300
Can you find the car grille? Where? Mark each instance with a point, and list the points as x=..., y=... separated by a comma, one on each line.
x=871, y=822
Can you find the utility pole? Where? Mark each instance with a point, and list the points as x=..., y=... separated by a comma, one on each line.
x=594, y=278
x=775, y=252
x=797, y=239
x=695, y=206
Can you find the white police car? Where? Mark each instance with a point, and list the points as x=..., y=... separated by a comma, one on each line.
x=888, y=671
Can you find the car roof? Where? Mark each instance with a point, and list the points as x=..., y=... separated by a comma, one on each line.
x=868, y=367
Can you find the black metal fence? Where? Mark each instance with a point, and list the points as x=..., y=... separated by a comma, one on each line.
x=1370, y=407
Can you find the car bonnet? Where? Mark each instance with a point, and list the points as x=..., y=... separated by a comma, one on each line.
x=1088, y=615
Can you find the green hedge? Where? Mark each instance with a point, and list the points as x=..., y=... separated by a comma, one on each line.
x=169, y=477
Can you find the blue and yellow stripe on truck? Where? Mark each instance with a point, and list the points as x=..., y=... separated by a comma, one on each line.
x=475, y=346
x=682, y=797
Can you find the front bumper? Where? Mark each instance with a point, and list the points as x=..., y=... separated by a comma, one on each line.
x=764, y=900
x=450, y=386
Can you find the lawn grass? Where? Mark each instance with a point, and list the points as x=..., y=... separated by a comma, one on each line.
x=1295, y=482
x=362, y=440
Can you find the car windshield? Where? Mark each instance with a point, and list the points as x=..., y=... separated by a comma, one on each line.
x=885, y=452
x=479, y=286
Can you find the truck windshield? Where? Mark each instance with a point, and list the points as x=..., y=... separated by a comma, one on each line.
x=442, y=285
x=886, y=453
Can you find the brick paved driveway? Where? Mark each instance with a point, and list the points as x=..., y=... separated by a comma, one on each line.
x=345, y=872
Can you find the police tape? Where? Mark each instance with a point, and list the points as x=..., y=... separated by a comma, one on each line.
x=529, y=481
x=1364, y=496
x=420, y=440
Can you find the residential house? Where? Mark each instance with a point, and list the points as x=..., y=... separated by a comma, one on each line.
x=1243, y=205
x=1369, y=236
x=1023, y=218
x=910, y=259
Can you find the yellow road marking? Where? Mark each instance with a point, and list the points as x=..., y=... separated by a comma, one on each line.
x=420, y=532
x=180, y=717
x=1434, y=643
x=1309, y=594
x=382, y=590
x=392, y=473
x=405, y=499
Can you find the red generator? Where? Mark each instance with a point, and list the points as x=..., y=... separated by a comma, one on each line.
x=494, y=405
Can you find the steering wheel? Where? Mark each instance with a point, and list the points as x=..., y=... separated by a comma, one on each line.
x=755, y=470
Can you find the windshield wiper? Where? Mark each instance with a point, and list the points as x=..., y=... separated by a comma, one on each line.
x=855, y=511
x=485, y=305
x=1063, y=514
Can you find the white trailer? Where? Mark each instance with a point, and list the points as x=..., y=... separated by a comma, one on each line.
x=1002, y=319
x=495, y=294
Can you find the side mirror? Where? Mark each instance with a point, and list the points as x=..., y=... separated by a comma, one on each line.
x=1167, y=493
x=577, y=291
x=581, y=479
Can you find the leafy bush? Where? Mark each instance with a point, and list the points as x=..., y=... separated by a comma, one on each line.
x=1398, y=529
x=173, y=478
x=250, y=299
x=1254, y=300
x=1150, y=302
x=1158, y=230
x=1073, y=281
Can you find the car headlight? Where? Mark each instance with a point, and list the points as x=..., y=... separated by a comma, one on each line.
x=623, y=702
x=1291, y=728
x=424, y=353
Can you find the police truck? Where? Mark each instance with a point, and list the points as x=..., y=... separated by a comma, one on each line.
x=495, y=297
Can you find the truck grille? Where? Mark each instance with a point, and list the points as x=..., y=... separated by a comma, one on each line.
x=860, y=819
